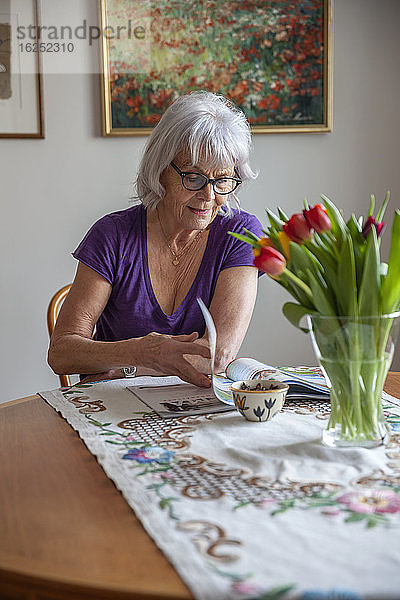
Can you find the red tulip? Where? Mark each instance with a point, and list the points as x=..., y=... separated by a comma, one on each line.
x=297, y=228
x=264, y=241
x=372, y=222
x=317, y=218
x=270, y=261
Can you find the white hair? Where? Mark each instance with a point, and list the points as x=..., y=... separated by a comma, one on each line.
x=207, y=125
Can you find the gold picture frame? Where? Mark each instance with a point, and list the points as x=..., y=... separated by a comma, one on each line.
x=292, y=95
x=21, y=86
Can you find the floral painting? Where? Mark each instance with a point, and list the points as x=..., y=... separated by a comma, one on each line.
x=271, y=57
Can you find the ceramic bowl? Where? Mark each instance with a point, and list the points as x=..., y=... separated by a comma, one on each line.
x=262, y=401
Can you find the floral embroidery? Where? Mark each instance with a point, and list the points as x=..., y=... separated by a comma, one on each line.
x=242, y=586
x=156, y=456
x=365, y=505
x=83, y=403
x=159, y=450
x=149, y=455
x=371, y=501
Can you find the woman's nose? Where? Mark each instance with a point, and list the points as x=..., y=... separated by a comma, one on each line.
x=208, y=191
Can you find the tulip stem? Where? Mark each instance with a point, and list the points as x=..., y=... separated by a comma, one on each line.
x=297, y=281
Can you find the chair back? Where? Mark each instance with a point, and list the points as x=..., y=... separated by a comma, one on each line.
x=52, y=314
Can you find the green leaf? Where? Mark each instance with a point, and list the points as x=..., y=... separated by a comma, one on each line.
x=355, y=229
x=356, y=517
x=339, y=228
x=323, y=301
x=359, y=246
x=297, y=287
x=371, y=205
x=276, y=593
x=251, y=235
x=301, y=260
x=346, y=292
x=381, y=213
x=93, y=422
x=165, y=502
x=369, y=294
x=243, y=238
x=241, y=504
x=371, y=523
x=295, y=312
x=282, y=215
x=274, y=221
x=390, y=291
x=326, y=258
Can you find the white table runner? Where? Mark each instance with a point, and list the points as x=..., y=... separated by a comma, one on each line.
x=250, y=510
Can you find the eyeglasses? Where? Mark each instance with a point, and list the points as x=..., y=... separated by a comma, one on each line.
x=197, y=181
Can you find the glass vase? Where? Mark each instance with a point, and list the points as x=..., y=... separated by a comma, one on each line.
x=355, y=354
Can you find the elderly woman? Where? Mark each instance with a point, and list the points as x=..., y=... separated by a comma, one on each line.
x=141, y=269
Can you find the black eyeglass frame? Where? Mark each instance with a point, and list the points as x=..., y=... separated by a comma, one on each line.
x=183, y=174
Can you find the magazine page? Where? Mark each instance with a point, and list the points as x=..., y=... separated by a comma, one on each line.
x=179, y=400
x=310, y=378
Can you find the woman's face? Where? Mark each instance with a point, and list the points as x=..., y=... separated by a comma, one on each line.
x=186, y=209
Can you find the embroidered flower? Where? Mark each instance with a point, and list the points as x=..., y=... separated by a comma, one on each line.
x=149, y=455
x=131, y=437
x=371, y=501
x=243, y=587
x=266, y=503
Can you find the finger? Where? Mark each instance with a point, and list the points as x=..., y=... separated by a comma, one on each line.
x=197, y=349
x=191, y=375
x=189, y=337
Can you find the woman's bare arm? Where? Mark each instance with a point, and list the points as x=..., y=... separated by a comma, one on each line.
x=73, y=351
x=231, y=309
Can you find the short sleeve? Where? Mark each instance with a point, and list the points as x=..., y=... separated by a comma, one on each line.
x=240, y=254
x=98, y=249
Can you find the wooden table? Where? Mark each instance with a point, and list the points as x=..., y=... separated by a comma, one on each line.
x=65, y=530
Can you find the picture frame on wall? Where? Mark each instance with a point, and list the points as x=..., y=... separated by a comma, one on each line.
x=21, y=88
x=272, y=58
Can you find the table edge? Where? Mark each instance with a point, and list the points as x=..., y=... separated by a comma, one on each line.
x=64, y=588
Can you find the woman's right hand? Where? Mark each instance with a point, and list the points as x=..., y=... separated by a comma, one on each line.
x=164, y=353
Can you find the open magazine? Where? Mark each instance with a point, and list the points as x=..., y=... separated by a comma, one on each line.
x=306, y=383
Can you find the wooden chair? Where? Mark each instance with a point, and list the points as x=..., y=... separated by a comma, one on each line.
x=52, y=314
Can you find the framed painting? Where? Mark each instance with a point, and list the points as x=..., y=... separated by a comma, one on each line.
x=272, y=58
x=21, y=103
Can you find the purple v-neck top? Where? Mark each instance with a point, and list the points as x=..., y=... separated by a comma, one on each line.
x=116, y=248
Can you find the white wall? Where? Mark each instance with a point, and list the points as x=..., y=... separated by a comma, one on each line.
x=52, y=190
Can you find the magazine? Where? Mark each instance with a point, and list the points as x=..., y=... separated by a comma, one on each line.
x=305, y=383
x=179, y=400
